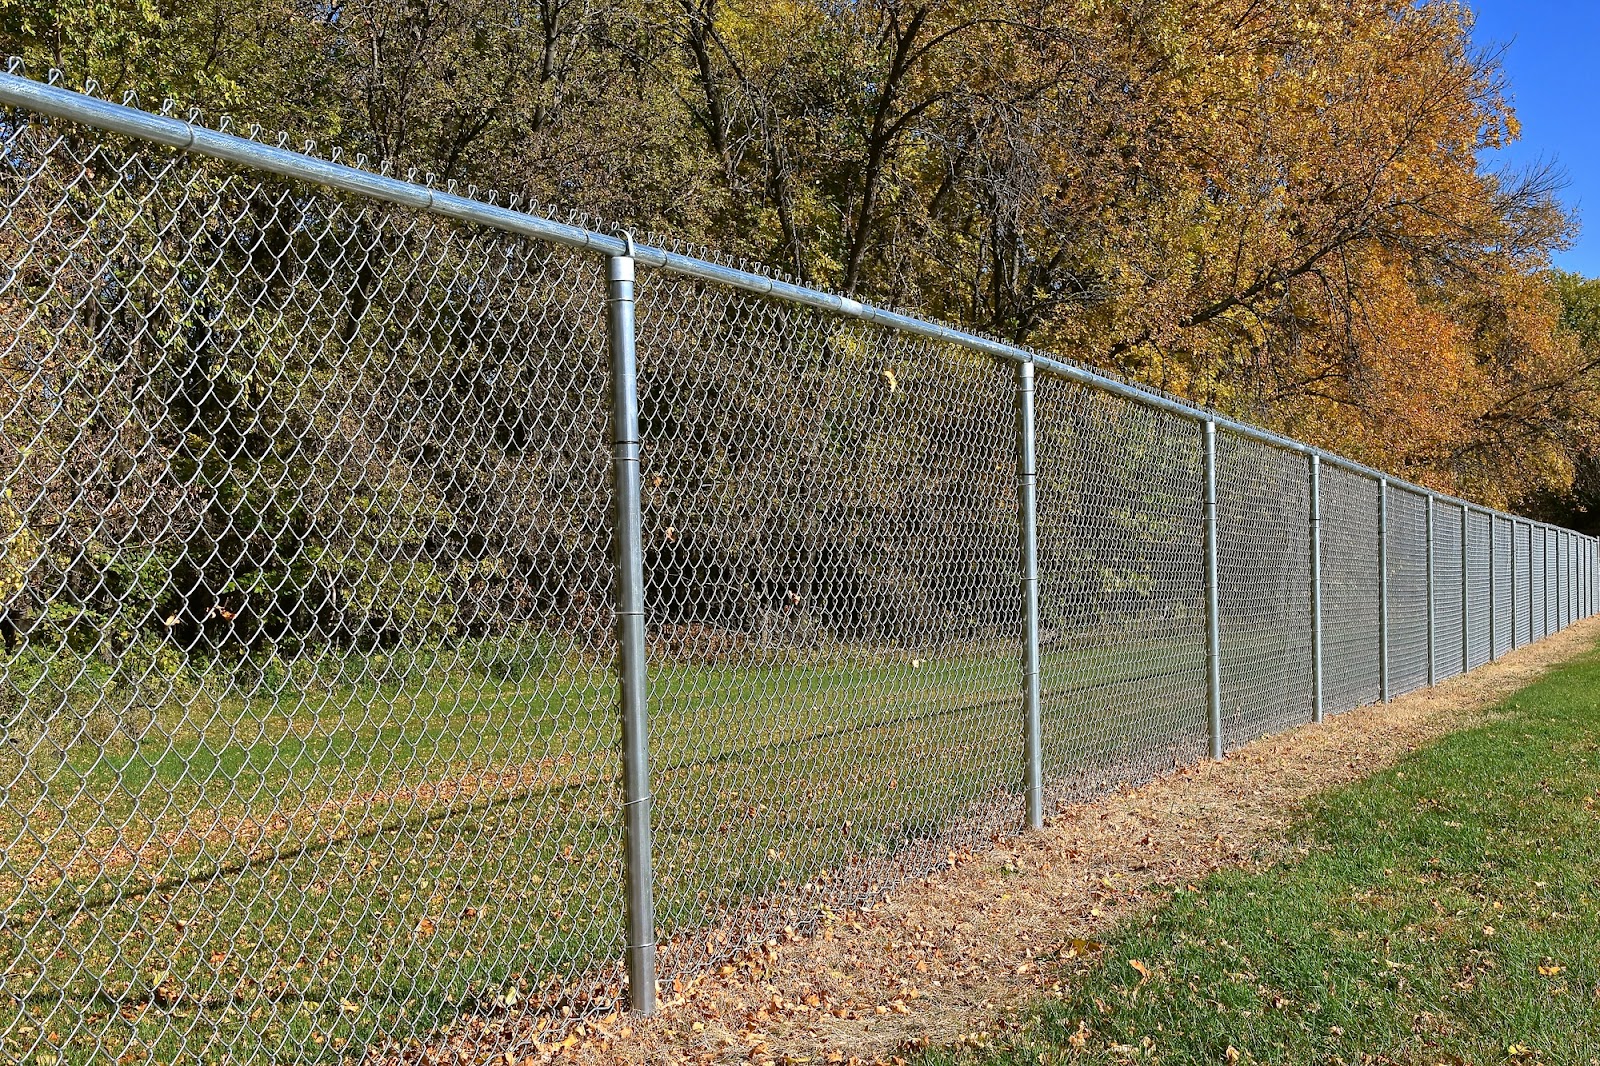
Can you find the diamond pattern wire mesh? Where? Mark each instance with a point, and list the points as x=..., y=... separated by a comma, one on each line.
x=1264, y=587
x=1408, y=590
x=1565, y=586
x=1558, y=600
x=1540, y=599
x=1504, y=586
x=310, y=728
x=1522, y=539
x=308, y=692
x=1121, y=589
x=1350, y=591
x=1478, y=627
x=831, y=568
x=1552, y=570
x=1447, y=645
x=1564, y=579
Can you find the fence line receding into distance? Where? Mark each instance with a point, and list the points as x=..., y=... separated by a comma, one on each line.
x=426, y=621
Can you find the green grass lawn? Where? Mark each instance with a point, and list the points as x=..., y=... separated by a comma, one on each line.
x=287, y=868
x=1444, y=911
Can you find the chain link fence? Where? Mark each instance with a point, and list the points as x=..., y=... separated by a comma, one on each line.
x=428, y=625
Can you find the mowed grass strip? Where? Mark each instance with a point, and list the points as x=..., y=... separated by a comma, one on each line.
x=1444, y=911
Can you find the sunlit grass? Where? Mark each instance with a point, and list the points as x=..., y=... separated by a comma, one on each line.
x=1444, y=911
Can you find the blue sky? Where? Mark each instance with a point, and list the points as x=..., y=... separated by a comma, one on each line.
x=1553, y=61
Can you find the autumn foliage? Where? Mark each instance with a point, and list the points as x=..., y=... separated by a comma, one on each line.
x=1281, y=208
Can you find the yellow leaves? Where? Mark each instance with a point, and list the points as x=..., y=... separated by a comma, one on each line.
x=20, y=548
x=1551, y=969
x=1141, y=968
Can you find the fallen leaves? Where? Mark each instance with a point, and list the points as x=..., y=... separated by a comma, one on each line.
x=1079, y=948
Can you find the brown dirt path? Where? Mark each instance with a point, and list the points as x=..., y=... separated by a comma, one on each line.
x=938, y=961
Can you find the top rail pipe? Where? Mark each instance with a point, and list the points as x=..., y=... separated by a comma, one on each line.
x=55, y=101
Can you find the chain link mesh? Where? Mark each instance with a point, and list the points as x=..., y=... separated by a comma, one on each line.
x=1522, y=538
x=1541, y=585
x=308, y=692
x=1349, y=512
x=1121, y=589
x=309, y=714
x=831, y=568
x=1408, y=590
x=1504, y=586
x=1448, y=649
x=1478, y=589
x=1566, y=583
x=1264, y=587
x=1549, y=573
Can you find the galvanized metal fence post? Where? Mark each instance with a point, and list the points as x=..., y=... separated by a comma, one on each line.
x=1316, y=587
x=628, y=545
x=1028, y=529
x=1213, y=599
x=1433, y=678
x=1383, y=589
x=1466, y=588
x=1494, y=599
